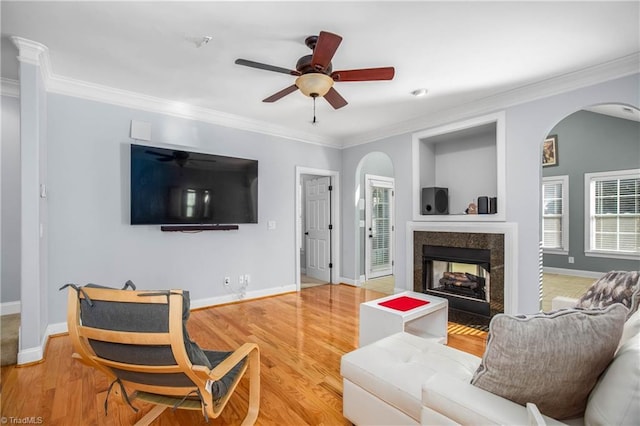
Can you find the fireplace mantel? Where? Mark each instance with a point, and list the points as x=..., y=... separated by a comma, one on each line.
x=509, y=230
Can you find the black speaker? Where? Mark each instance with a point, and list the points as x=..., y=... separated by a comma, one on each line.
x=493, y=205
x=483, y=205
x=435, y=200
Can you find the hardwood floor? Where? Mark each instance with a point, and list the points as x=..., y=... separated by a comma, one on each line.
x=301, y=337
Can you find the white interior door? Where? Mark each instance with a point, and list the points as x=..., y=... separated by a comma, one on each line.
x=317, y=232
x=379, y=201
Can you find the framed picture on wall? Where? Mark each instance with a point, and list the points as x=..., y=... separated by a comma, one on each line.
x=550, y=151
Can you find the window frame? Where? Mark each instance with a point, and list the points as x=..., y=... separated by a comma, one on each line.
x=589, y=212
x=564, y=217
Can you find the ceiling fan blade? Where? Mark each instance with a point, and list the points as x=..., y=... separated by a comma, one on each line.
x=365, y=74
x=267, y=67
x=326, y=47
x=334, y=99
x=281, y=94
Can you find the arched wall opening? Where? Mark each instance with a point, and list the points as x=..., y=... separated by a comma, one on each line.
x=372, y=164
x=599, y=140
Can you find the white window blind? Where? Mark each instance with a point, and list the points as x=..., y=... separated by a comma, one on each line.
x=555, y=217
x=381, y=228
x=614, y=222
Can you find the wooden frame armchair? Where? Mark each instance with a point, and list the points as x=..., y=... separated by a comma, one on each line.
x=139, y=340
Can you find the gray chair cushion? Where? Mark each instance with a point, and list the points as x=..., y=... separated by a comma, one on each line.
x=221, y=387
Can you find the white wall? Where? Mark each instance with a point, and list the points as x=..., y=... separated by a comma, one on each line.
x=10, y=249
x=90, y=237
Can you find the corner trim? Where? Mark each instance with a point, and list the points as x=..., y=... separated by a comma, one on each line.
x=29, y=52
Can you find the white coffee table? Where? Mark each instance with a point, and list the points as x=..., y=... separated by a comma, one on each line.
x=428, y=321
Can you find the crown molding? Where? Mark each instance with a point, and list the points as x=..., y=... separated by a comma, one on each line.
x=37, y=54
x=9, y=87
x=34, y=53
x=29, y=52
x=618, y=68
x=95, y=92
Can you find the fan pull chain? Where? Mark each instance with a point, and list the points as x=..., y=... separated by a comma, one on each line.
x=314, y=109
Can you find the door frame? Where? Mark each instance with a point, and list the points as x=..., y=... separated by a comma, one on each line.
x=367, y=245
x=334, y=214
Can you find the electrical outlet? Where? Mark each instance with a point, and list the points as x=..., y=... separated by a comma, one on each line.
x=227, y=280
x=571, y=259
x=247, y=278
x=241, y=280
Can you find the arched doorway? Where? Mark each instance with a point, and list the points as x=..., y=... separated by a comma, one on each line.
x=585, y=231
x=375, y=226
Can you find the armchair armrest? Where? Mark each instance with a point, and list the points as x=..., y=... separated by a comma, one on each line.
x=561, y=302
x=464, y=403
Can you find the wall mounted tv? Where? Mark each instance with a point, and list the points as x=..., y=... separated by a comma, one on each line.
x=176, y=187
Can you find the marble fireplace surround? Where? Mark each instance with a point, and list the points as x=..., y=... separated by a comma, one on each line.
x=415, y=238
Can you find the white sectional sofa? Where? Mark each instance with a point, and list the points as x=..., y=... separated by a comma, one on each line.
x=407, y=380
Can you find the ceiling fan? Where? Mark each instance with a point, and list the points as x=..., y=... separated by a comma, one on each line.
x=315, y=74
x=180, y=157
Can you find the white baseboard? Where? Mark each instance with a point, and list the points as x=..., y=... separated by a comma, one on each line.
x=29, y=355
x=348, y=281
x=573, y=272
x=9, y=308
x=234, y=297
x=35, y=354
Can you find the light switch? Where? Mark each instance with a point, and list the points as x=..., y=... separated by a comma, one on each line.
x=271, y=225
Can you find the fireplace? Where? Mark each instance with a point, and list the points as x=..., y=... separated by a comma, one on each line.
x=465, y=268
x=461, y=275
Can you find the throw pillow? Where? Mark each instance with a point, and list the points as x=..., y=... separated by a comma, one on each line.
x=613, y=287
x=552, y=360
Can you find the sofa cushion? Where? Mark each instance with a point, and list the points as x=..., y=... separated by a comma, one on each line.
x=613, y=287
x=615, y=400
x=631, y=328
x=394, y=368
x=552, y=360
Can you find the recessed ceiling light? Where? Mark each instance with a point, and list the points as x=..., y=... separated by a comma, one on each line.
x=419, y=92
x=203, y=41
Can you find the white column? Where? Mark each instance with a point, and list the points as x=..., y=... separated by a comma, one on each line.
x=33, y=285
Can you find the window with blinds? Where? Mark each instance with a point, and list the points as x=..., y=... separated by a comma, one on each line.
x=614, y=219
x=555, y=215
x=381, y=228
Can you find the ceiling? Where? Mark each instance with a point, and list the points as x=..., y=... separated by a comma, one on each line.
x=465, y=53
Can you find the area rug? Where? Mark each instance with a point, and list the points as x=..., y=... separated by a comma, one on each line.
x=9, y=325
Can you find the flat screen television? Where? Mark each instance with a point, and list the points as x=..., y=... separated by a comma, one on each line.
x=175, y=187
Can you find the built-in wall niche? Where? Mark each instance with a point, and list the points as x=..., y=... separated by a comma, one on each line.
x=467, y=158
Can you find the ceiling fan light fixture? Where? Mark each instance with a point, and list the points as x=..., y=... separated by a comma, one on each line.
x=314, y=84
